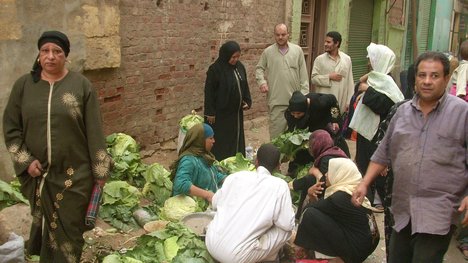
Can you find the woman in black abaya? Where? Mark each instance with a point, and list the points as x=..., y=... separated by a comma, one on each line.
x=227, y=95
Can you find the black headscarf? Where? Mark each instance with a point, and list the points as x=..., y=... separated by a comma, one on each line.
x=224, y=96
x=56, y=37
x=297, y=102
x=226, y=51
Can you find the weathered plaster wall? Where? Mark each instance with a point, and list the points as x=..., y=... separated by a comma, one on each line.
x=147, y=58
x=338, y=20
x=442, y=24
x=95, y=41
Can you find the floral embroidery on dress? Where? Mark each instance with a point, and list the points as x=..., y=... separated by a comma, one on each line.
x=101, y=167
x=13, y=148
x=101, y=155
x=71, y=103
x=19, y=156
x=70, y=171
x=67, y=249
x=101, y=170
x=52, y=242
x=68, y=183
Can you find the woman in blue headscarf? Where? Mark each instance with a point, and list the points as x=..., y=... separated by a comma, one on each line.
x=193, y=172
x=227, y=95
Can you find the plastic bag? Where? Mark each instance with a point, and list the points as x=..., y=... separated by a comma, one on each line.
x=13, y=250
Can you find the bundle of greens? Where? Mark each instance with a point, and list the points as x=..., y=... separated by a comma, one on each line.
x=127, y=161
x=189, y=121
x=175, y=243
x=290, y=142
x=9, y=195
x=300, y=172
x=158, y=186
x=119, y=200
x=235, y=164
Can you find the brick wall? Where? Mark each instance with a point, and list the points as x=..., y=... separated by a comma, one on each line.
x=166, y=48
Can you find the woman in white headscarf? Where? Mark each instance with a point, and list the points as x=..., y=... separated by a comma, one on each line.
x=380, y=93
x=333, y=226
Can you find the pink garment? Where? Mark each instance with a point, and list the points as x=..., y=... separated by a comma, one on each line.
x=453, y=91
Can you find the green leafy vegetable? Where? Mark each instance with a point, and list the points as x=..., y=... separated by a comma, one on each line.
x=119, y=200
x=175, y=243
x=235, y=164
x=127, y=160
x=303, y=171
x=10, y=196
x=177, y=207
x=280, y=175
x=158, y=186
x=290, y=142
x=190, y=120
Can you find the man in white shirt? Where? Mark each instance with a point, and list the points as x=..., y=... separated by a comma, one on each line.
x=254, y=215
x=332, y=72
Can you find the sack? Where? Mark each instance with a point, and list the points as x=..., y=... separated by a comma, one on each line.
x=13, y=250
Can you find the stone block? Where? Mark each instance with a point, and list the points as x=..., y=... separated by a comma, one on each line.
x=16, y=218
x=102, y=53
x=10, y=26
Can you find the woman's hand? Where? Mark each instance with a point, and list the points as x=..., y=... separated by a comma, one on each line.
x=315, y=172
x=363, y=86
x=209, y=196
x=245, y=106
x=315, y=190
x=35, y=169
x=264, y=88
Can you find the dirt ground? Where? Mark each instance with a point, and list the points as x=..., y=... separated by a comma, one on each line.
x=99, y=241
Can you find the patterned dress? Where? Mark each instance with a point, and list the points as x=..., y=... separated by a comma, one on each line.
x=59, y=125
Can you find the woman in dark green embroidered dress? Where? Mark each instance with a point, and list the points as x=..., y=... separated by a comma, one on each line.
x=52, y=129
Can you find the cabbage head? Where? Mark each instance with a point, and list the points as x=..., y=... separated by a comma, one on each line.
x=189, y=121
x=177, y=207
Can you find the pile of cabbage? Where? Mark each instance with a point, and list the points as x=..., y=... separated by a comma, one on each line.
x=175, y=243
x=131, y=181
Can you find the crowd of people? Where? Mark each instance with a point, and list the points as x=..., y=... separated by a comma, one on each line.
x=411, y=155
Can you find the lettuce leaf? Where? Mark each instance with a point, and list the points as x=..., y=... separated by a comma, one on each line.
x=235, y=164
x=9, y=195
x=290, y=142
